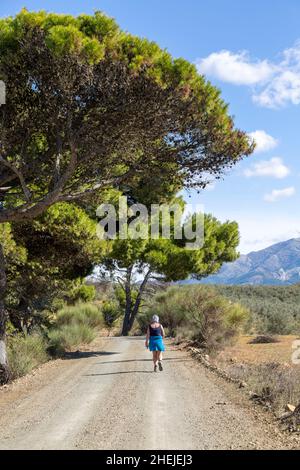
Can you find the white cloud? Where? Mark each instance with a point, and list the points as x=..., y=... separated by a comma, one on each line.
x=273, y=167
x=273, y=85
x=284, y=89
x=235, y=68
x=264, y=141
x=278, y=194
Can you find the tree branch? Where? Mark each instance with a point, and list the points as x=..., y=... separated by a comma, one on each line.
x=19, y=174
x=25, y=212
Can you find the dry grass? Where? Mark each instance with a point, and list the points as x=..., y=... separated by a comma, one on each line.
x=266, y=368
x=243, y=352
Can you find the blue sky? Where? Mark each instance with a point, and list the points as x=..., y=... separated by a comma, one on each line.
x=251, y=51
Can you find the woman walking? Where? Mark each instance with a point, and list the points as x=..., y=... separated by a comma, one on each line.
x=154, y=340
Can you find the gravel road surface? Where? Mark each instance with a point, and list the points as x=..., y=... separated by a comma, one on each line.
x=109, y=398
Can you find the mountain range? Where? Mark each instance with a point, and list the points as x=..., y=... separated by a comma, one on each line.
x=278, y=264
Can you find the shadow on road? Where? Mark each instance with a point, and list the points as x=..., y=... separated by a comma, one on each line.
x=83, y=354
x=176, y=359
x=122, y=372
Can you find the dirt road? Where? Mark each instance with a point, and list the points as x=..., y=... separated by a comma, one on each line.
x=109, y=398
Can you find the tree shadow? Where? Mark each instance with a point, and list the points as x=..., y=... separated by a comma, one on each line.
x=84, y=354
x=122, y=372
x=126, y=338
x=176, y=359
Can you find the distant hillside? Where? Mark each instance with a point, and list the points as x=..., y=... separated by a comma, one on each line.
x=278, y=264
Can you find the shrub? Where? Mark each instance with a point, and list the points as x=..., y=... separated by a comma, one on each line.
x=111, y=313
x=170, y=307
x=83, y=293
x=69, y=336
x=75, y=325
x=200, y=312
x=85, y=314
x=184, y=333
x=263, y=339
x=25, y=353
x=214, y=319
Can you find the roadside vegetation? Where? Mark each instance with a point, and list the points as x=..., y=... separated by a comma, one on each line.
x=90, y=311
x=199, y=314
x=267, y=367
x=247, y=331
x=72, y=326
x=26, y=352
x=272, y=384
x=273, y=309
x=211, y=317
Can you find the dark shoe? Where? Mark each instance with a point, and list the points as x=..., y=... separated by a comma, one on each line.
x=160, y=366
x=155, y=368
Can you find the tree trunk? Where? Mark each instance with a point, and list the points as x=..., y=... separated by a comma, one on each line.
x=138, y=300
x=4, y=369
x=126, y=321
x=132, y=311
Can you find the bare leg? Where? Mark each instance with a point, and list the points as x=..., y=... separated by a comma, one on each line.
x=159, y=360
x=157, y=357
x=154, y=357
x=155, y=360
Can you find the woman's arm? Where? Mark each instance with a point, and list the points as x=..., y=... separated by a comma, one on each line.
x=162, y=331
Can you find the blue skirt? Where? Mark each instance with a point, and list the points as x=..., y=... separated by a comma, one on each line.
x=156, y=343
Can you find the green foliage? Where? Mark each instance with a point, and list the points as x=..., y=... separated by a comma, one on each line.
x=274, y=309
x=167, y=256
x=87, y=66
x=111, y=312
x=210, y=319
x=65, y=237
x=69, y=336
x=82, y=293
x=120, y=296
x=171, y=259
x=46, y=260
x=64, y=40
x=214, y=319
x=14, y=254
x=25, y=353
x=99, y=25
x=168, y=305
x=82, y=313
x=75, y=325
x=61, y=247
